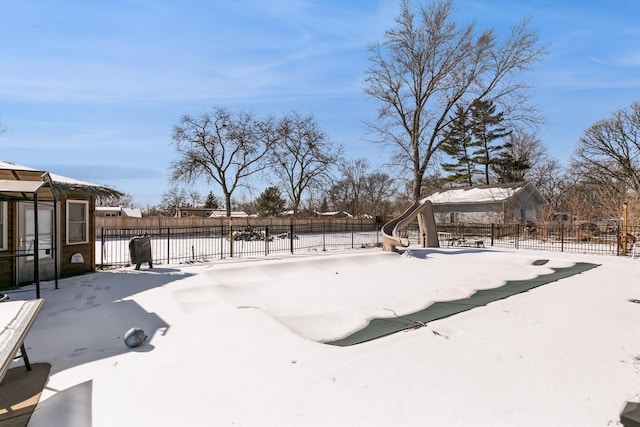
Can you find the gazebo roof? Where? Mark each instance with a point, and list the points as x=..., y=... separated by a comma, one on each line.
x=23, y=183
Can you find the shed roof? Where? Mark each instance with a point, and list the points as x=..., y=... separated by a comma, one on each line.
x=18, y=181
x=11, y=186
x=475, y=194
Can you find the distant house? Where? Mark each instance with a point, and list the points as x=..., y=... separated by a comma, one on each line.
x=47, y=225
x=499, y=204
x=336, y=214
x=206, y=213
x=185, y=212
x=223, y=212
x=111, y=211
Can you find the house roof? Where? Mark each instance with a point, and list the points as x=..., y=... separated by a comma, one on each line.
x=475, y=194
x=131, y=212
x=11, y=174
x=335, y=213
x=222, y=213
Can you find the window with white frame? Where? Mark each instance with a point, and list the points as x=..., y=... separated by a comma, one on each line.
x=77, y=221
x=4, y=244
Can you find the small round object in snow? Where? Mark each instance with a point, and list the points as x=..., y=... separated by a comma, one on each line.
x=134, y=337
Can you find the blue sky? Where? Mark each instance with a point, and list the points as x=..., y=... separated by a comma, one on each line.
x=92, y=90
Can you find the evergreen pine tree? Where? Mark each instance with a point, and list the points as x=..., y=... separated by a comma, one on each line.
x=458, y=144
x=211, y=202
x=270, y=202
x=486, y=128
x=510, y=168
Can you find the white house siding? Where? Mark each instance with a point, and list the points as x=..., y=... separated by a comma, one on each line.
x=481, y=213
x=526, y=205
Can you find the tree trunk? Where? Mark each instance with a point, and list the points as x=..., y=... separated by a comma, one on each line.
x=227, y=202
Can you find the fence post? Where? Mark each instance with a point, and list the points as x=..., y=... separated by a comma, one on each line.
x=517, y=236
x=625, y=231
x=101, y=249
x=291, y=236
x=230, y=238
x=266, y=240
x=561, y=237
x=352, y=235
x=324, y=246
x=493, y=230
x=168, y=244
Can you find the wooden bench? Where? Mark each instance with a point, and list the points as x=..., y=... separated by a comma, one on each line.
x=459, y=241
x=470, y=243
x=16, y=317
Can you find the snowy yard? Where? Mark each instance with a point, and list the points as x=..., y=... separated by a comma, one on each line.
x=241, y=342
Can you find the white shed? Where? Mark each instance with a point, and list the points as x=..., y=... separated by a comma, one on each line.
x=498, y=204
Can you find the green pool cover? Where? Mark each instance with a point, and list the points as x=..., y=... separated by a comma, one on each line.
x=380, y=327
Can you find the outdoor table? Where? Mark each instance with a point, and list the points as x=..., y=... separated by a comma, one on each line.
x=16, y=319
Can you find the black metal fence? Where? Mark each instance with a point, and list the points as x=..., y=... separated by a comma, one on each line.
x=191, y=244
x=581, y=238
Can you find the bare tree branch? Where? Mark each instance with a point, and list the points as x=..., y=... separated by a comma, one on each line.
x=222, y=147
x=302, y=156
x=610, y=150
x=427, y=64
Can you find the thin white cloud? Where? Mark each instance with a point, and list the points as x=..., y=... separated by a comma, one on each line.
x=624, y=59
x=222, y=61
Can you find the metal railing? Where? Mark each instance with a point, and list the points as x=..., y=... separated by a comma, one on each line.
x=191, y=244
x=204, y=243
x=582, y=238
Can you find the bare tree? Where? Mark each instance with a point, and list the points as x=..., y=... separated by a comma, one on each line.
x=338, y=197
x=222, y=147
x=427, y=64
x=354, y=174
x=550, y=179
x=360, y=191
x=196, y=198
x=124, y=200
x=378, y=191
x=173, y=199
x=610, y=150
x=302, y=156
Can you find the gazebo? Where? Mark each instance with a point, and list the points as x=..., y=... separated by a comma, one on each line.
x=36, y=235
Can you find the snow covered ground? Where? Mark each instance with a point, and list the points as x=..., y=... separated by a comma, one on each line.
x=240, y=342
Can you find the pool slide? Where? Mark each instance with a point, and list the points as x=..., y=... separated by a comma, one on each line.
x=424, y=212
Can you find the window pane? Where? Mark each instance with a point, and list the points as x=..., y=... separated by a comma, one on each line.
x=45, y=231
x=77, y=232
x=76, y=211
x=77, y=222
